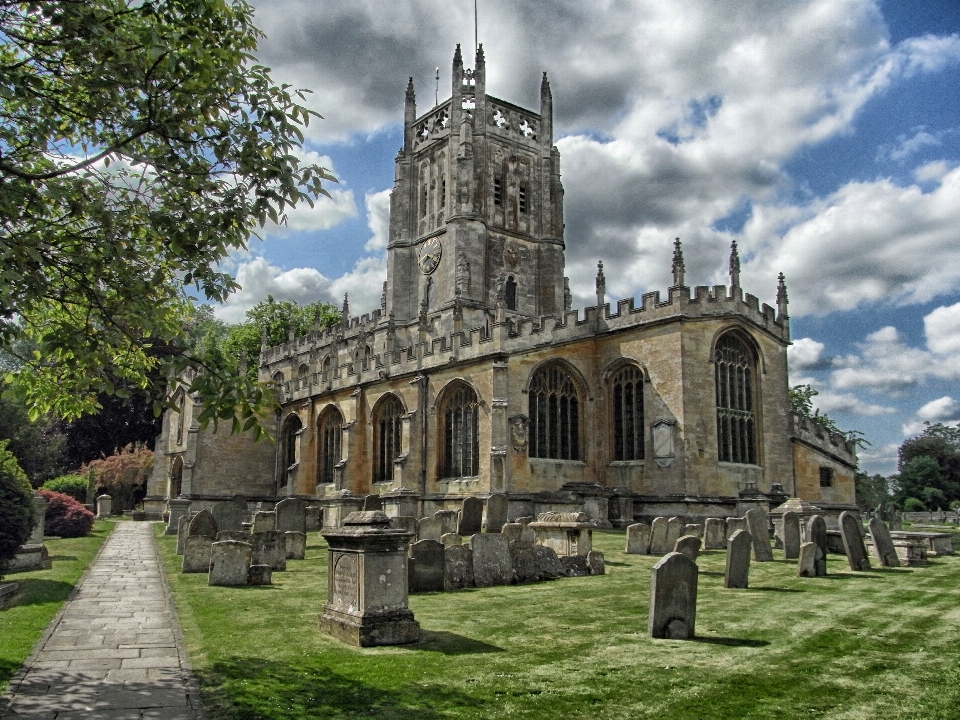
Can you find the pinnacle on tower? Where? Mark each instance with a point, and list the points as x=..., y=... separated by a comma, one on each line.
x=734, y=265
x=678, y=266
x=345, y=319
x=545, y=86
x=481, y=60
x=782, y=296
x=457, y=57
x=601, y=279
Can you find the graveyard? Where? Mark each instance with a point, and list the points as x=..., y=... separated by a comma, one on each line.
x=850, y=644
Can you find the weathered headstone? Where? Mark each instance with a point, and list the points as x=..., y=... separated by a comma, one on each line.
x=312, y=518
x=471, y=516
x=548, y=564
x=448, y=539
x=183, y=525
x=688, y=546
x=457, y=567
x=430, y=528
x=203, y=524
x=291, y=515
x=372, y=503
x=270, y=548
x=695, y=529
x=104, y=506
x=449, y=519
x=574, y=565
x=737, y=571
x=817, y=534
x=595, y=563
x=196, y=554
x=714, y=534
x=638, y=539
x=264, y=521
x=229, y=516
x=260, y=575
x=674, y=532
x=734, y=524
x=528, y=534
x=807, y=563
x=407, y=523
x=673, y=598
x=759, y=526
x=791, y=535
x=523, y=562
x=852, y=533
x=296, y=544
x=883, y=547
x=497, y=509
x=428, y=566
x=491, y=560
x=658, y=537
x=236, y=535
x=229, y=563
x=511, y=531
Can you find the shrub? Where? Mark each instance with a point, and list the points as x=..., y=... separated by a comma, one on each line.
x=16, y=507
x=123, y=476
x=911, y=504
x=65, y=516
x=73, y=485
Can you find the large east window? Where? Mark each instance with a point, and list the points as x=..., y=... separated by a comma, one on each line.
x=627, y=388
x=554, y=414
x=387, y=427
x=461, y=445
x=736, y=416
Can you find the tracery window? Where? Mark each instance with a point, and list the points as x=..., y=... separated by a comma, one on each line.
x=461, y=444
x=554, y=415
x=736, y=418
x=387, y=436
x=628, y=427
x=329, y=432
x=510, y=293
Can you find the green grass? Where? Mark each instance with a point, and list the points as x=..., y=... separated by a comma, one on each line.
x=853, y=645
x=40, y=595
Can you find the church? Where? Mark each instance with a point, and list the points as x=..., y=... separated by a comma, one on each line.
x=475, y=375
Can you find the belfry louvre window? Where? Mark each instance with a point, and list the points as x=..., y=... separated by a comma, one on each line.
x=554, y=415
x=387, y=439
x=628, y=414
x=522, y=196
x=461, y=446
x=736, y=419
x=497, y=191
x=330, y=431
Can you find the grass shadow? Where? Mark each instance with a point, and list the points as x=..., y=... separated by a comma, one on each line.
x=712, y=573
x=37, y=590
x=777, y=589
x=730, y=642
x=450, y=643
x=55, y=558
x=615, y=564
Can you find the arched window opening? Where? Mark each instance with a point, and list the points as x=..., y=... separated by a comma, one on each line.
x=461, y=444
x=288, y=444
x=554, y=415
x=329, y=431
x=387, y=429
x=511, y=293
x=325, y=369
x=180, y=403
x=176, y=478
x=303, y=373
x=628, y=427
x=736, y=418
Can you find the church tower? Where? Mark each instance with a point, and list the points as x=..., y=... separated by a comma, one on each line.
x=476, y=212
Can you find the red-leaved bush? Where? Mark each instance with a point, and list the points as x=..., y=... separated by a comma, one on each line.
x=65, y=516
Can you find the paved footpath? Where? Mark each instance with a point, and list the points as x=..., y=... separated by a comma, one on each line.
x=114, y=652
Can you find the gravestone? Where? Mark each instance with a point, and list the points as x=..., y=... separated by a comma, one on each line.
x=791, y=535
x=491, y=560
x=638, y=539
x=407, y=523
x=291, y=515
x=497, y=509
x=178, y=508
x=449, y=519
x=714, y=534
x=430, y=528
x=548, y=564
x=511, y=531
x=695, y=529
x=674, y=532
x=448, y=539
x=673, y=598
x=229, y=516
x=196, y=554
x=595, y=563
x=734, y=524
x=817, y=534
x=296, y=544
x=104, y=506
x=183, y=525
x=471, y=516
x=260, y=575
x=658, y=537
x=737, y=571
x=807, y=563
x=574, y=565
x=312, y=519
x=264, y=521
x=203, y=524
x=229, y=562
x=428, y=566
x=269, y=548
x=237, y=535
x=852, y=533
x=688, y=546
x=372, y=503
x=883, y=547
x=523, y=562
x=759, y=527
x=457, y=567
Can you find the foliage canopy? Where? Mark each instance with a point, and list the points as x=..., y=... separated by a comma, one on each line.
x=16, y=507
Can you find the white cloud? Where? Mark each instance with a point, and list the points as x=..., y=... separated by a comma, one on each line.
x=944, y=409
x=378, y=219
x=805, y=354
x=907, y=146
x=942, y=329
x=931, y=171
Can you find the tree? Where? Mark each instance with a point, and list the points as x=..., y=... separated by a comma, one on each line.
x=801, y=401
x=36, y=444
x=16, y=507
x=123, y=476
x=139, y=144
x=871, y=491
x=929, y=467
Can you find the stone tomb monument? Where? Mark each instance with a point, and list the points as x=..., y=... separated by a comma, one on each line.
x=737, y=571
x=104, y=506
x=367, y=583
x=817, y=534
x=883, y=547
x=638, y=539
x=673, y=598
x=714, y=534
x=852, y=533
x=566, y=533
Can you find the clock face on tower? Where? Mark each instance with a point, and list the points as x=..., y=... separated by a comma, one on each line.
x=428, y=255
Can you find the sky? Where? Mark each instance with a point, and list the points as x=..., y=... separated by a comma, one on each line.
x=823, y=136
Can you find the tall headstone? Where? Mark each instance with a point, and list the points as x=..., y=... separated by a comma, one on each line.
x=497, y=510
x=674, y=532
x=183, y=525
x=807, y=562
x=737, y=571
x=104, y=506
x=471, y=516
x=270, y=548
x=759, y=526
x=714, y=534
x=295, y=544
x=203, y=524
x=688, y=546
x=430, y=528
x=229, y=563
x=817, y=534
x=673, y=598
x=291, y=515
x=229, y=516
x=449, y=519
x=734, y=524
x=852, y=533
x=491, y=560
x=791, y=535
x=883, y=548
x=638, y=539
x=658, y=537
x=457, y=567
x=428, y=569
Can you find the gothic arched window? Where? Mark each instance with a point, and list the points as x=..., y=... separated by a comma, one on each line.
x=628, y=428
x=387, y=436
x=325, y=369
x=736, y=418
x=554, y=414
x=329, y=432
x=303, y=373
x=288, y=444
x=461, y=444
x=510, y=293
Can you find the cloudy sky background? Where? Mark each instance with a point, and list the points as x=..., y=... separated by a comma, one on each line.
x=822, y=135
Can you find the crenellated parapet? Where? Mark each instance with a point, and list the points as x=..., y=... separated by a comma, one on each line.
x=835, y=444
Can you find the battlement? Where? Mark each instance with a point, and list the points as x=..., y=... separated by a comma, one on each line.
x=833, y=443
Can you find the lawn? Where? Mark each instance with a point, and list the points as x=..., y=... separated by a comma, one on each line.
x=41, y=594
x=884, y=643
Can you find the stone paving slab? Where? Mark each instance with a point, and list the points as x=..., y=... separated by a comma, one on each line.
x=114, y=651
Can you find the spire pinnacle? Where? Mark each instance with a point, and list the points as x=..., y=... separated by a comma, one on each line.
x=411, y=95
x=481, y=59
x=782, y=296
x=678, y=266
x=545, y=85
x=734, y=265
x=457, y=57
x=346, y=311
x=601, y=281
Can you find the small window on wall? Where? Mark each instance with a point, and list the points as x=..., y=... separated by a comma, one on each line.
x=497, y=191
x=826, y=477
x=523, y=198
x=510, y=293
x=443, y=191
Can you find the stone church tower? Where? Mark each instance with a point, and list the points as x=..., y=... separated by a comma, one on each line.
x=476, y=213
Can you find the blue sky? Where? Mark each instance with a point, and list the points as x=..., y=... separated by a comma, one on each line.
x=822, y=135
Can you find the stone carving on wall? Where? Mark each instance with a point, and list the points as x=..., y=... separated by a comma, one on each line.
x=663, y=445
x=463, y=273
x=518, y=433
